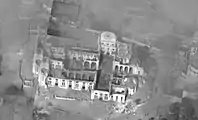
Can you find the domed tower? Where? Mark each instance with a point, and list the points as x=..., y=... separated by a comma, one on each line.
x=108, y=42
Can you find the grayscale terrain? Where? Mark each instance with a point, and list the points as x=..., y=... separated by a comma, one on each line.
x=167, y=23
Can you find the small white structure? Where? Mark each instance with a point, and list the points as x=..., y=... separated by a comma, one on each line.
x=57, y=63
x=27, y=83
x=192, y=71
x=58, y=52
x=41, y=78
x=127, y=69
x=118, y=93
x=108, y=42
x=123, y=52
x=37, y=60
x=99, y=94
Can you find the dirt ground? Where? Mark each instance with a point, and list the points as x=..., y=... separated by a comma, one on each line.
x=133, y=18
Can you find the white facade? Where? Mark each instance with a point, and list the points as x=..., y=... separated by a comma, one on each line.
x=67, y=83
x=35, y=66
x=80, y=53
x=41, y=78
x=91, y=64
x=58, y=52
x=118, y=98
x=97, y=94
x=192, y=71
x=89, y=59
x=108, y=42
x=139, y=71
x=118, y=93
x=27, y=84
x=123, y=68
x=45, y=64
x=123, y=52
x=57, y=64
x=128, y=69
x=35, y=69
x=131, y=91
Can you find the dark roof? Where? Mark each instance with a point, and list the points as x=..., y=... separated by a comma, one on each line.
x=85, y=50
x=107, y=64
x=75, y=36
x=58, y=41
x=131, y=82
x=84, y=38
x=66, y=11
x=103, y=82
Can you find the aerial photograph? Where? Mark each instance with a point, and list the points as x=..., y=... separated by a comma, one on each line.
x=99, y=60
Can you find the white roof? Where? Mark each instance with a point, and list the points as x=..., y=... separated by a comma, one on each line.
x=108, y=36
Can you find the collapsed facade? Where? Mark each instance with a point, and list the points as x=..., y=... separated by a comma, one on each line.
x=106, y=73
x=189, y=52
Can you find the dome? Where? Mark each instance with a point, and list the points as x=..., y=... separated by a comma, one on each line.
x=108, y=36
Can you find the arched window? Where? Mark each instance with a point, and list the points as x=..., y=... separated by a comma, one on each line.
x=78, y=76
x=84, y=77
x=93, y=65
x=116, y=68
x=86, y=65
x=121, y=68
x=91, y=77
x=131, y=70
x=71, y=75
x=64, y=73
x=126, y=69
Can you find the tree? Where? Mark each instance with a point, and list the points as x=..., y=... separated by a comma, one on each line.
x=187, y=109
x=13, y=90
x=175, y=108
x=182, y=111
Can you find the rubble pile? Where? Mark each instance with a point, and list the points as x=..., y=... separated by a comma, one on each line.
x=127, y=108
x=40, y=114
x=42, y=111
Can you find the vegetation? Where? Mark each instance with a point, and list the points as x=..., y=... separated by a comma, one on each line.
x=181, y=111
x=13, y=90
x=144, y=56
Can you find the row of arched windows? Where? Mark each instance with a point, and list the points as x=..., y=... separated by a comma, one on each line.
x=123, y=69
x=90, y=65
x=79, y=76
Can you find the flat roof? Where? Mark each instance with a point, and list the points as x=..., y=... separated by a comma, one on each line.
x=114, y=91
x=85, y=38
x=58, y=41
x=78, y=36
x=67, y=11
x=107, y=64
x=103, y=82
x=123, y=50
x=70, y=74
x=79, y=49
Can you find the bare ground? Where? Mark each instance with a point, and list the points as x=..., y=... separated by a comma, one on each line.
x=129, y=17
